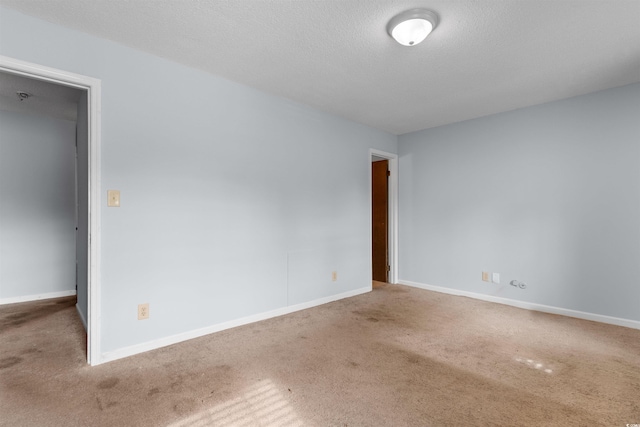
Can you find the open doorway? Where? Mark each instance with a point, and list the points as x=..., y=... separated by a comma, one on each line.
x=383, y=217
x=38, y=213
x=76, y=184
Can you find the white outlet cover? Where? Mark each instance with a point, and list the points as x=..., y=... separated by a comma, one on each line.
x=495, y=277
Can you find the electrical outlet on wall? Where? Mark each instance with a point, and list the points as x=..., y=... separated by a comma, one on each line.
x=495, y=278
x=485, y=276
x=334, y=276
x=143, y=311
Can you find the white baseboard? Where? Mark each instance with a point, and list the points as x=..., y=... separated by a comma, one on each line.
x=529, y=305
x=174, y=339
x=27, y=298
x=84, y=321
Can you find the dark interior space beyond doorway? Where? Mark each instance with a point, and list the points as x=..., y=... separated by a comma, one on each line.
x=380, y=219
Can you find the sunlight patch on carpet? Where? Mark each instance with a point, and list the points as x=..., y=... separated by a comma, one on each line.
x=534, y=364
x=260, y=405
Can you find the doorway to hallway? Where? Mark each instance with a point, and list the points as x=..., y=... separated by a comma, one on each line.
x=87, y=189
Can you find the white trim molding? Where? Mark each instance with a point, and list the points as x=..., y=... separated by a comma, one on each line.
x=174, y=339
x=628, y=323
x=393, y=210
x=36, y=297
x=93, y=88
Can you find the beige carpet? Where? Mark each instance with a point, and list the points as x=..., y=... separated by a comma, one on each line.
x=397, y=356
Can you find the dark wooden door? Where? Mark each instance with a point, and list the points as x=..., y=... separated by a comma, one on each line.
x=380, y=212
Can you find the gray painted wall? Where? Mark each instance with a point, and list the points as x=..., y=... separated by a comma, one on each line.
x=234, y=202
x=37, y=202
x=548, y=195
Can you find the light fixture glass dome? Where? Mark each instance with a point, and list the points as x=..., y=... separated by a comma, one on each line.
x=411, y=27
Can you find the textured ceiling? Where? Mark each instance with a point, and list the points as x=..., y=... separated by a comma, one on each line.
x=484, y=57
x=50, y=99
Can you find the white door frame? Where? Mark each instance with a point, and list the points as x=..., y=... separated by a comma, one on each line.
x=92, y=86
x=393, y=212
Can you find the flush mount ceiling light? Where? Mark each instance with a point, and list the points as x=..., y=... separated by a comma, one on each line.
x=411, y=27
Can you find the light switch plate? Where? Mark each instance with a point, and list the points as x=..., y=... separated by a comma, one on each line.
x=495, y=278
x=113, y=198
x=485, y=276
